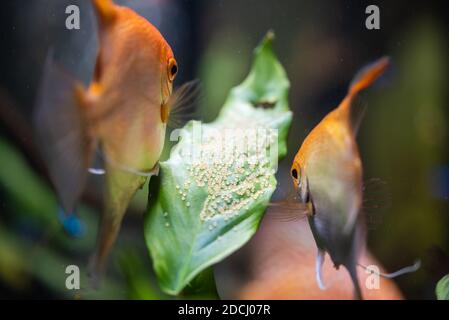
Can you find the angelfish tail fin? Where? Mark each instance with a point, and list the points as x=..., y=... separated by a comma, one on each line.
x=62, y=133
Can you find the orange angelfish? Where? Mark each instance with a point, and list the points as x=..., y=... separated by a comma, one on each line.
x=327, y=174
x=124, y=112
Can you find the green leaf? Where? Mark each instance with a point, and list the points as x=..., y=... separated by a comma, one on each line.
x=442, y=289
x=214, y=188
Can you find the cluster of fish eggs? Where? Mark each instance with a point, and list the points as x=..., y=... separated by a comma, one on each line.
x=234, y=171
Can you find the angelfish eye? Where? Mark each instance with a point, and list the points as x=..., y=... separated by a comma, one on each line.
x=295, y=174
x=172, y=69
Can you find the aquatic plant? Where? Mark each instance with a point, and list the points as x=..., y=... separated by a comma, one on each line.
x=213, y=190
x=442, y=289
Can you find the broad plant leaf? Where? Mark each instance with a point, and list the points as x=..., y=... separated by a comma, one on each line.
x=442, y=289
x=213, y=190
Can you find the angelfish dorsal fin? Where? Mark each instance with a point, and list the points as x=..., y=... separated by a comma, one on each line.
x=368, y=74
x=362, y=80
x=106, y=10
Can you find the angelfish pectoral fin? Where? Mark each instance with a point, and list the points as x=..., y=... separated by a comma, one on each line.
x=180, y=106
x=319, y=269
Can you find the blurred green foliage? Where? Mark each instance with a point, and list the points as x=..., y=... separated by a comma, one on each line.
x=34, y=246
x=404, y=138
x=221, y=63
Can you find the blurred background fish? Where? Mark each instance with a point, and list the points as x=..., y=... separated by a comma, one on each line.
x=279, y=263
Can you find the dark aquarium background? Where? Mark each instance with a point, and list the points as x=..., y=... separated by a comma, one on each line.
x=404, y=137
